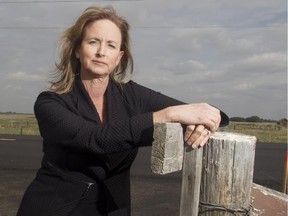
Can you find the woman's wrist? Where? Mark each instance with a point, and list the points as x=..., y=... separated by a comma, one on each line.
x=164, y=115
x=158, y=117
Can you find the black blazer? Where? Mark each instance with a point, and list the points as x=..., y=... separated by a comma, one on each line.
x=82, y=155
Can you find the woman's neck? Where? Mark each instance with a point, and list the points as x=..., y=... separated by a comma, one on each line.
x=96, y=87
x=96, y=90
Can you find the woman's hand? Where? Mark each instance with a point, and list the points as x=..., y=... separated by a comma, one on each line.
x=196, y=136
x=201, y=120
x=191, y=114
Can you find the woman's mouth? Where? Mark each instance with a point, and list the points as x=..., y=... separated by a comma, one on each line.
x=97, y=62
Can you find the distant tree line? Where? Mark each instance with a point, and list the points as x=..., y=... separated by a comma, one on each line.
x=250, y=119
x=14, y=113
x=8, y=113
x=254, y=119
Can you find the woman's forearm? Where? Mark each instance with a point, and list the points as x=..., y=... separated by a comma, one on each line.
x=190, y=114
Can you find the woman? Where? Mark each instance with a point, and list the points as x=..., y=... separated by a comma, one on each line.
x=92, y=123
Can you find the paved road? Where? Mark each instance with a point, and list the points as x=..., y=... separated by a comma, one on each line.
x=152, y=194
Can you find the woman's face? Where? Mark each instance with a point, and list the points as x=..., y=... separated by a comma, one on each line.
x=99, y=52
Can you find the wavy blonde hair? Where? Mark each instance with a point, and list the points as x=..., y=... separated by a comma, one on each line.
x=69, y=65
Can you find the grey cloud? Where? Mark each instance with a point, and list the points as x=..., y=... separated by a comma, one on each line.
x=192, y=50
x=25, y=76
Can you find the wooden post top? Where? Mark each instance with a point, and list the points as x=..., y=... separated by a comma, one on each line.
x=233, y=136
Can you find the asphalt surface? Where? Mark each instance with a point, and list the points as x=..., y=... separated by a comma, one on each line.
x=153, y=195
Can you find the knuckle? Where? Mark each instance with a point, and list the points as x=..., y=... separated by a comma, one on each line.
x=198, y=132
x=190, y=128
x=186, y=136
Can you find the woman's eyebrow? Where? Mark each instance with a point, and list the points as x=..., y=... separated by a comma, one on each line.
x=98, y=39
x=112, y=41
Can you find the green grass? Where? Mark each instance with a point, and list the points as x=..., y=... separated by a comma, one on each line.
x=26, y=124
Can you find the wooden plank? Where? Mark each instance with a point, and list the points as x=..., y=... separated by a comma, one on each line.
x=167, y=148
x=191, y=180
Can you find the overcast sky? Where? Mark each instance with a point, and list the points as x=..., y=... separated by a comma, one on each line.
x=232, y=54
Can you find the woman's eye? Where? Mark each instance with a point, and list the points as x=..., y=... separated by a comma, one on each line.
x=111, y=46
x=92, y=42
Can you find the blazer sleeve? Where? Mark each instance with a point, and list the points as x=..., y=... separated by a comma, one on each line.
x=59, y=125
x=150, y=100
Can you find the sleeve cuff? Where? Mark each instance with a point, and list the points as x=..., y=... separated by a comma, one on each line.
x=142, y=129
x=224, y=119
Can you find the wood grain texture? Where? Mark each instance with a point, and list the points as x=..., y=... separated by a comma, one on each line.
x=227, y=172
x=167, y=148
x=191, y=180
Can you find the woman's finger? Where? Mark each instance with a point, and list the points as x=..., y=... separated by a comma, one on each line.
x=196, y=134
x=188, y=132
x=202, y=139
x=206, y=138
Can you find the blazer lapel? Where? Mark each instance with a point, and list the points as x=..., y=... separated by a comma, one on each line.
x=84, y=104
x=118, y=107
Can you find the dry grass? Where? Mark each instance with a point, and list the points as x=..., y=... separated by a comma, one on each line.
x=265, y=132
x=25, y=124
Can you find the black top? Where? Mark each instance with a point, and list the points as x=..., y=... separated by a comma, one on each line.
x=78, y=146
x=70, y=123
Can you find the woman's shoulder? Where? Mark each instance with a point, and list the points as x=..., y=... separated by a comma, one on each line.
x=46, y=95
x=128, y=84
x=135, y=87
x=49, y=96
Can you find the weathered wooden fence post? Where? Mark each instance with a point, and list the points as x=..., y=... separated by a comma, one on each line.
x=227, y=174
x=191, y=180
x=217, y=178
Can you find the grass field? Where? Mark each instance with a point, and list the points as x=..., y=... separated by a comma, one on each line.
x=20, y=124
x=265, y=132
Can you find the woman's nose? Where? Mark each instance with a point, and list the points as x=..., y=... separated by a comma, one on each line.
x=101, y=50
